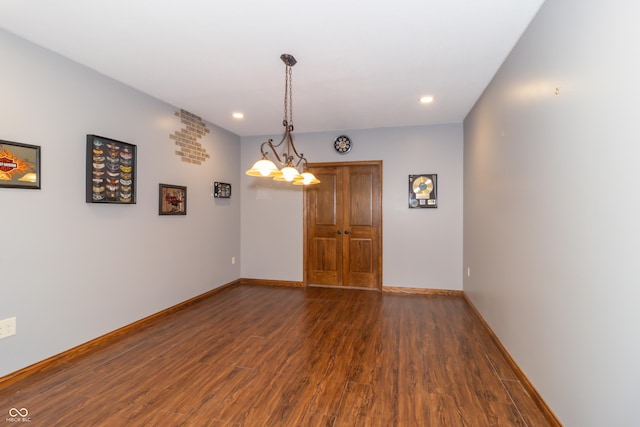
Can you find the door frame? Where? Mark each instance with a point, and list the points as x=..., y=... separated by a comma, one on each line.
x=305, y=214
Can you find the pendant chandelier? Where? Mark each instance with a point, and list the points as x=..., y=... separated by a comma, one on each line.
x=294, y=164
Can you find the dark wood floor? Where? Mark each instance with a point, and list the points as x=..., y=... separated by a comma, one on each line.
x=260, y=356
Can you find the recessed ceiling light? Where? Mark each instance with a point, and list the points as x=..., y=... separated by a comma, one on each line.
x=238, y=116
x=427, y=99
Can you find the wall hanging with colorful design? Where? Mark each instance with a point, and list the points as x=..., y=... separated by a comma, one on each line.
x=111, y=171
x=19, y=165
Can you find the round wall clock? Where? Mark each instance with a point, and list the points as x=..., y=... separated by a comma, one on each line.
x=342, y=144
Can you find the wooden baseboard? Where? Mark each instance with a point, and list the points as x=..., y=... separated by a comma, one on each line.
x=264, y=282
x=530, y=389
x=89, y=346
x=421, y=291
x=385, y=289
x=351, y=288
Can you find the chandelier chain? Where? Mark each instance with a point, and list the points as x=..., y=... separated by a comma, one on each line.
x=288, y=97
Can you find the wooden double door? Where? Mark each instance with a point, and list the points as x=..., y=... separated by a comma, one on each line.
x=343, y=225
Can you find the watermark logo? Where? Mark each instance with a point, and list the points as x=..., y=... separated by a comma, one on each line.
x=18, y=416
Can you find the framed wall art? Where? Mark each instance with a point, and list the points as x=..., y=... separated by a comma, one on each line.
x=19, y=165
x=111, y=171
x=172, y=200
x=423, y=191
x=221, y=190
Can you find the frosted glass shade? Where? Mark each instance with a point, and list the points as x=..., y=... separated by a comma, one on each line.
x=289, y=173
x=306, y=178
x=263, y=167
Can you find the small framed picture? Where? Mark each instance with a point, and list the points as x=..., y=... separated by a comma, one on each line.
x=19, y=165
x=111, y=171
x=222, y=190
x=172, y=200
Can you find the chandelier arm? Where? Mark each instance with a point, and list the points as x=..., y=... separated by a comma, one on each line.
x=273, y=150
x=293, y=147
x=305, y=164
x=284, y=138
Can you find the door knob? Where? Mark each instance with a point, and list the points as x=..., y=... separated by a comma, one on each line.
x=346, y=232
x=339, y=231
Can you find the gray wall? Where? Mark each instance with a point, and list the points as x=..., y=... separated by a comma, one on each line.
x=72, y=271
x=422, y=248
x=551, y=217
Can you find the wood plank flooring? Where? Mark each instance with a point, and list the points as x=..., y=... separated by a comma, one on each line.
x=270, y=356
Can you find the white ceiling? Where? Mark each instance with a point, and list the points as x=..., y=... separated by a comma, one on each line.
x=361, y=63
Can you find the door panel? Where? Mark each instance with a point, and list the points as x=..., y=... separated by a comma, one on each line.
x=325, y=203
x=360, y=256
x=343, y=222
x=360, y=196
x=326, y=250
x=327, y=265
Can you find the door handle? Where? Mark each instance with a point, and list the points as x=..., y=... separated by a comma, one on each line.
x=339, y=231
x=346, y=232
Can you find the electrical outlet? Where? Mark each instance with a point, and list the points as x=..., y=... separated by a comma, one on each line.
x=233, y=260
x=468, y=271
x=7, y=327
